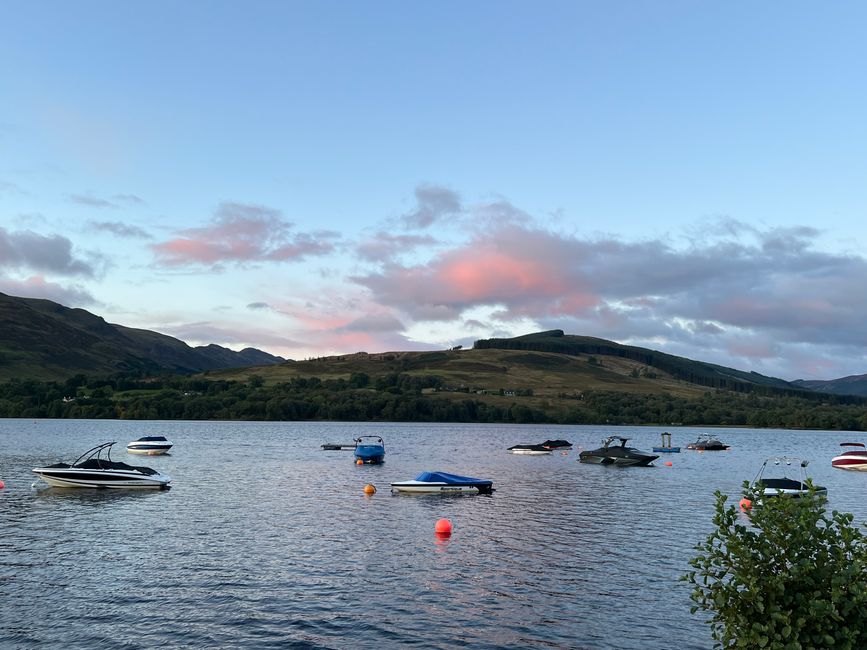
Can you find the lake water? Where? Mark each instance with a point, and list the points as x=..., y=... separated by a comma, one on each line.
x=267, y=541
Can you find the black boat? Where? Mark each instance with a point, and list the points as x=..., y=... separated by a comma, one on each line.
x=557, y=444
x=707, y=442
x=613, y=454
x=784, y=485
x=532, y=450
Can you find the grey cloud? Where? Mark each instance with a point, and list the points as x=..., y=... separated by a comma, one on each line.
x=29, y=250
x=258, y=305
x=384, y=247
x=91, y=201
x=130, y=199
x=206, y=332
x=120, y=229
x=37, y=287
x=432, y=203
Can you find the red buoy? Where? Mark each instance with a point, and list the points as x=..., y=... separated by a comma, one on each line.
x=668, y=463
x=443, y=527
x=746, y=504
x=2, y=485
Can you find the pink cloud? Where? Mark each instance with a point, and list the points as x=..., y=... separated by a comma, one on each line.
x=242, y=233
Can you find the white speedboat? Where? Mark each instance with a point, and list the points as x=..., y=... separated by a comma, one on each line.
x=149, y=446
x=93, y=470
x=854, y=458
x=529, y=450
x=443, y=483
x=784, y=485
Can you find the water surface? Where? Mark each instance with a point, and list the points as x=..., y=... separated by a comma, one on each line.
x=266, y=541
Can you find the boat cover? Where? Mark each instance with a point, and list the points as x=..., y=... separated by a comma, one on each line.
x=450, y=479
x=151, y=439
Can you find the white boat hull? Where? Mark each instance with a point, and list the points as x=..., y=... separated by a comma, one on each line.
x=530, y=452
x=75, y=478
x=420, y=487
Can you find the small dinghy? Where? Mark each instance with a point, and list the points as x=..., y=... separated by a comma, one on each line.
x=443, y=483
x=370, y=450
x=852, y=459
x=666, y=447
x=784, y=486
x=529, y=450
x=707, y=442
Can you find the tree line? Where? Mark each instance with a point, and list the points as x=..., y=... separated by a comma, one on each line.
x=409, y=398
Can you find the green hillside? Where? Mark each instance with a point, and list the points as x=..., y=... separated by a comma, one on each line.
x=43, y=340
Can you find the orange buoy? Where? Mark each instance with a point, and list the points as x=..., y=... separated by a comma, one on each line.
x=370, y=488
x=745, y=504
x=668, y=463
x=359, y=462
x=443, y=527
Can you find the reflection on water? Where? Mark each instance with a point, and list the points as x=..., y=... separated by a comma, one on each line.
x=266, y=540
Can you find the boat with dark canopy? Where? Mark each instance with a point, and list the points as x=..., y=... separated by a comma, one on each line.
x=707, y=442
x=613, y=454
x=784, y=485
x=95, y=469
x=531, y=450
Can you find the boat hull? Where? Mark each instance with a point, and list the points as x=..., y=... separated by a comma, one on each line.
x=530, y=452
x=617, y=461
x=147, y=450
x=75, y=478
x=423, y=487
x=852, y=463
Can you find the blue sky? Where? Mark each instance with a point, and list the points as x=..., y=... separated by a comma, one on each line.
x=314, y=178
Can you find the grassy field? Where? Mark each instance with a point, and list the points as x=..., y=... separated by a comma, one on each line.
x=550, y=376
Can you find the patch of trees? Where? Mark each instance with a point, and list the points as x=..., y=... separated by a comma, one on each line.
x=399, y=397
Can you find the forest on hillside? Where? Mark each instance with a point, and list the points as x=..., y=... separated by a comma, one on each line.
x=399, y=397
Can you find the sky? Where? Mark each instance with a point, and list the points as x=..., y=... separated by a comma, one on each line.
x=326, y=177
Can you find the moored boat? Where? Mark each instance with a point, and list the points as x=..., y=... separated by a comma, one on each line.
x=784, y=485
x=149, y=446
x=666, y=447
x=370, y=450
x=612, y=454
x=93, y=470
x=852, y=459
x=530, y=450
x=557, y=444
x=707, y=442
x=444, y=483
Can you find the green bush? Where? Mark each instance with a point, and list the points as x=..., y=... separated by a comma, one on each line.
x=784, y=575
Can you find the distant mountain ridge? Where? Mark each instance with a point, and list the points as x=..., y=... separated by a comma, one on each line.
x=851, y=385
x=694, y=372
x=41, y=339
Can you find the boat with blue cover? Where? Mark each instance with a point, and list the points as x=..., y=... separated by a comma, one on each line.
x=369, y=450
x=444, y=483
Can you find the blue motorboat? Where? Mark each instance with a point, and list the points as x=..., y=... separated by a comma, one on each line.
x=369, y=450
x=444, y=483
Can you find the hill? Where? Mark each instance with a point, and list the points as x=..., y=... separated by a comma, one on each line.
x=43, y=340
x=851, y=385
x=543, y=368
